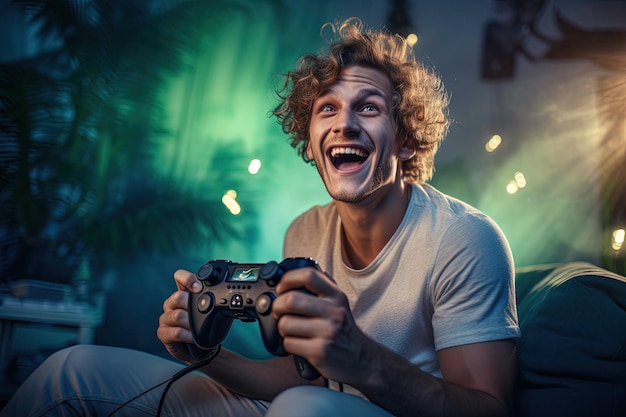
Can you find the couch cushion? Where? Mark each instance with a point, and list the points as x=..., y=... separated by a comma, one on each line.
x=572, y=353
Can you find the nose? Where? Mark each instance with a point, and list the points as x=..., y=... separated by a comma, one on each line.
x=346, y=123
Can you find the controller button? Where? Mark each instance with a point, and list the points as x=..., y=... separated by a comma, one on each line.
x=264, y=304
x=249, y=301
x=236, y=301
x=205, y=303
x=223, y=301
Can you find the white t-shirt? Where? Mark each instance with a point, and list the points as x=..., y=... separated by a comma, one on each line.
x=444, y=279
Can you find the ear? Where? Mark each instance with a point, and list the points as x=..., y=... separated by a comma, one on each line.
x=309, y=154
x=407, y=150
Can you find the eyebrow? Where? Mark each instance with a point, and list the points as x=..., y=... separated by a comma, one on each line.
x=365, y=92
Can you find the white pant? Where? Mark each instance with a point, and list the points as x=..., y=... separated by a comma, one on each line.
x=91, y=380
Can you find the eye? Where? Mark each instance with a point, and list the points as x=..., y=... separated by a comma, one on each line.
x=326, y=108
x=369, y=108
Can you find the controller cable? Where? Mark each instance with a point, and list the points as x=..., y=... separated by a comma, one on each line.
x=170, y=381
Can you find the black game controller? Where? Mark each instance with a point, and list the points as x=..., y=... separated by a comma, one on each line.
x=244, y=292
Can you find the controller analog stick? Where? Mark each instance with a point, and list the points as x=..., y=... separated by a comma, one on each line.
x=264, y=304
x=205, y=271
x=269, y=270
x=210, y=274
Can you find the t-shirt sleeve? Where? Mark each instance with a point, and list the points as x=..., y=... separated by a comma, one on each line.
x=305, y=235
x=472, y=287
x=292, y=237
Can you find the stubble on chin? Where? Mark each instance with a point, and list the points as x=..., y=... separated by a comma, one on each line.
x=354, y=197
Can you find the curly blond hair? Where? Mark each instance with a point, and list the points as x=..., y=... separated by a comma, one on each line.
x=420, y=99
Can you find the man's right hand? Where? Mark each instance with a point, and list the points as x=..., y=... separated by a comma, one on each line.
x=174, y=330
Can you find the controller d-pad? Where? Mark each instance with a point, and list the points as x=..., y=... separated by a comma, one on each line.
x=236, y=301
x=205, y=303
x=264, y=304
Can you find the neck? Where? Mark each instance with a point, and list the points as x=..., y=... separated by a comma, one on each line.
x=367, y=226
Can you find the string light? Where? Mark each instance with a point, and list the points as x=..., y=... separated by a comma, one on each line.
x=512, y=187
x=515, y=184
x=493, y=143
x=412, y=39
x=254, y=167
x=619, y=236
x=520, y=180
x=229, y=200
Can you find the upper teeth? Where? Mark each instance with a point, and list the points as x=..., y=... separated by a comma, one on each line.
x=342, y=151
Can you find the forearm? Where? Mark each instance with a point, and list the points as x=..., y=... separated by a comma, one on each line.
x=259, y=379
x=403, y=389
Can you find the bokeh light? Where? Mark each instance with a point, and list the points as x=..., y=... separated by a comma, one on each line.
x=254, y=167
x=229, y=200
x=618, y=239
x=493, y=143
x=512, y=187
x=412, y=39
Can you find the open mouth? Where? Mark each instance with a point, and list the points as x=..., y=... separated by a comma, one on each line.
x=347, y=158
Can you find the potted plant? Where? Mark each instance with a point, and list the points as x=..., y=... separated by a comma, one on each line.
x=80, y=122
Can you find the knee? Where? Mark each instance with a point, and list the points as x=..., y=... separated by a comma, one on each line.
x=79, y=360
x=68, y=358
x=303, y=401
x=73, y=351
x=72, y=355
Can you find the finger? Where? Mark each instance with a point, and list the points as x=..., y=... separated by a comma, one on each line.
x=169, y=334
x=310, y=279
x=186, y=280
x=300, y=327
x=175, y=318
x=298, y=303
x=311, y=349
x=178, y=300
x=303, y=347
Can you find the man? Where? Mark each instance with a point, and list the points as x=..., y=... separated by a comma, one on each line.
x=414, y=311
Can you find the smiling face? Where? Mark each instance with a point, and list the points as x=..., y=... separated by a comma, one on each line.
x=353, y=136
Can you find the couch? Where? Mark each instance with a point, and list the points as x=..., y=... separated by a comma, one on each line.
x=572, y=354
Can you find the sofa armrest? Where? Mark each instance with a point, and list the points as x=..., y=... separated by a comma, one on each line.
x=572, y=353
